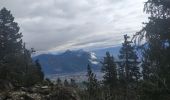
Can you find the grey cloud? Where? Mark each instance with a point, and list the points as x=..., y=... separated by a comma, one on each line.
x=55, y=25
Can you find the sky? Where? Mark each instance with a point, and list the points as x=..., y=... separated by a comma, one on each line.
x=58, y=25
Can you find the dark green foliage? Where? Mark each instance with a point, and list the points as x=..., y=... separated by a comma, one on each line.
x=129, y=71
x=156, y=51
x=128, y=64
x=110, y=80
x=66, y=83
x=109, y=70
x=73, y=83
x=158, y=8
x=48, y=82
x=10, y=38
x=16, y=65
x=10, y=45
x=122, y=79
x=92, y=85
x=59, y=83
x=38, y=71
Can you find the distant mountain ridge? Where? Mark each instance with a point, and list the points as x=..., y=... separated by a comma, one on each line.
x=67, y=62
x=73, y=61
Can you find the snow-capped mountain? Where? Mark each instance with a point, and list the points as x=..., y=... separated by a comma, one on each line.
x=68, y=62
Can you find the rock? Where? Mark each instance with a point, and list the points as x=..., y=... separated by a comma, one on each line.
x=6, y=85
x=44, y=87
x=41, y=93
x=63, y=94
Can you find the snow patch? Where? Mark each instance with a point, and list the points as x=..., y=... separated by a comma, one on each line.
x=93, y=55
x=94, y=62
x=93, y=58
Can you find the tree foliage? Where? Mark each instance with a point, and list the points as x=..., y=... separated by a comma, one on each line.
x=156, y=50
x=128, y=69
x=92, y=84
x=110, y=80
x=16, y=65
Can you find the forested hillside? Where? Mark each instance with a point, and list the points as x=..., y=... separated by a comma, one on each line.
x=128, y=78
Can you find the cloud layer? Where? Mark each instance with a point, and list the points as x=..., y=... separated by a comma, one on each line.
x=56, y=25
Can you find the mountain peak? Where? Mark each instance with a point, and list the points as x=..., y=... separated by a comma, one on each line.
x=68, y=51
x=68, y=62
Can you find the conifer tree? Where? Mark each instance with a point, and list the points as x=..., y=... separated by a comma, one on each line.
x=10, y=37
x=129, y=61
x=16, y=65
x=59, y=82
x=109, y=70
x=92, y=84
x=110, y=76
x=38, y=71
x=129, y=71
x=10, y=44
x=66, y=83
x=73, y=83
x=156, y=50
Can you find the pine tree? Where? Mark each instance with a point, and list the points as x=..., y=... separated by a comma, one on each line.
x=10, y=38
x=16, y=65
x=156, y=50
x=129, y=61
x=66, y=83
x=92, y=84
x=129, y=71
x=38, y=71
x=10, y=44
x=59, y=82
x=73, y=83
x=110, y=75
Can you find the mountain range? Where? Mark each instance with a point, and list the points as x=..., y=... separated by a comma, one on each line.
x=73, y=61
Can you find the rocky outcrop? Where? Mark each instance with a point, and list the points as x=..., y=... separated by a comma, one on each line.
x=41, y=93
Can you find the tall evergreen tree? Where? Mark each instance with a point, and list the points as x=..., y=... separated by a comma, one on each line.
x=38, y=71
x=156, y=51
x=66, y=83
x=92, y=84
x=129, y=71
x=59, y=82
x=10, y=37
x=16, y=65
x=110, y=75
x=129, y=61
x=10, y=44
x=109, y=70
x=73, y=83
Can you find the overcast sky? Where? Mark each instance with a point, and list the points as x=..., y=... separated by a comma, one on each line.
x=56, y=25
